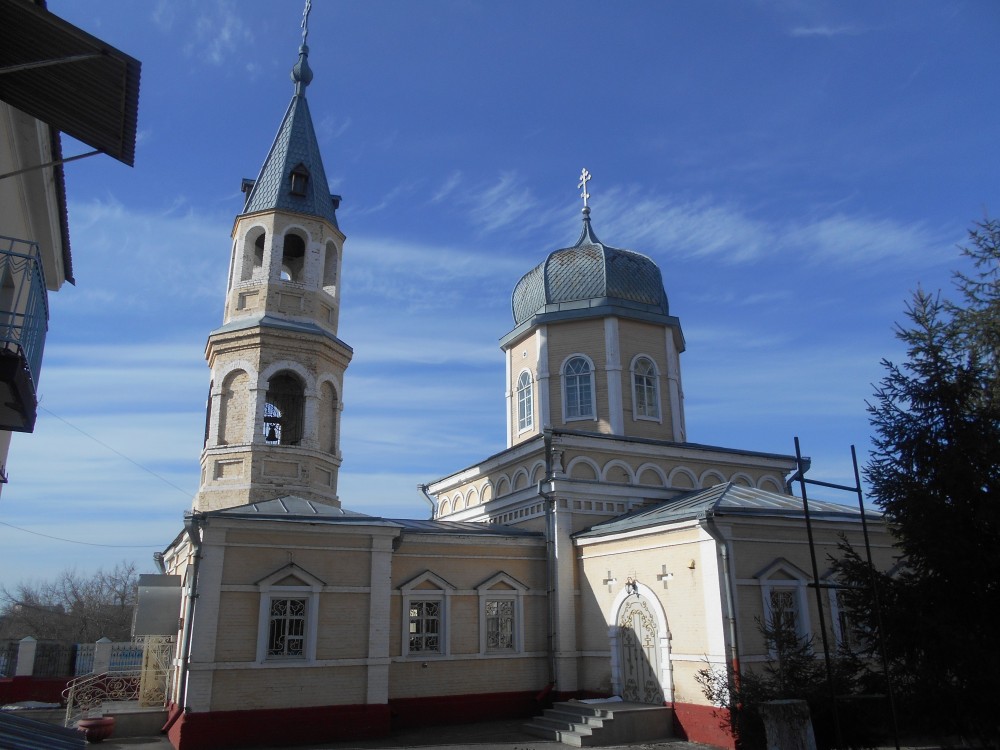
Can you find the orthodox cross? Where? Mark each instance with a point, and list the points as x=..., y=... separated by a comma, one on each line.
x=584, y=179
x=664, y=576
x=305, y=21
x=610, y=581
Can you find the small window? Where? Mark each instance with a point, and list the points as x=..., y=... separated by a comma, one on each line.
x=499, y=616
x=645, y=394
x=299, y=179
x=578, y=389
x=288, y=615
x=525, y=406
x=425, y=615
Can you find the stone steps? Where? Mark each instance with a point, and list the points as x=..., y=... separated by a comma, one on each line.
x=610, y=722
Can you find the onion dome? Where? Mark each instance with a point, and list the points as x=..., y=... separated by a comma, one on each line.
x=589, y=279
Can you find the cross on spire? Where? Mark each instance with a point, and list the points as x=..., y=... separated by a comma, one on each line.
x=584, y=179
x=305, y=21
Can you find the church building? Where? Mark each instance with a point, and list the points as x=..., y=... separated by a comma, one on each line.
x=599, y=555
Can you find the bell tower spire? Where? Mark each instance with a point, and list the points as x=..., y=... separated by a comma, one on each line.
x=273, y=424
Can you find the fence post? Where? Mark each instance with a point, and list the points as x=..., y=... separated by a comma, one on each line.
x=102, y=656
x=26, y=657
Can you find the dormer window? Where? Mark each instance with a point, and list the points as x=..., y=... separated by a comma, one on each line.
x=300, y=179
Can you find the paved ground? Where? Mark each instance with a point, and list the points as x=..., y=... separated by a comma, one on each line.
x=494, y=735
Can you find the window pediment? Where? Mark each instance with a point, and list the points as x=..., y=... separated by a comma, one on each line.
x=291, y=576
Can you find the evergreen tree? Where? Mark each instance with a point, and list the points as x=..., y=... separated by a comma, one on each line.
x=935, y=472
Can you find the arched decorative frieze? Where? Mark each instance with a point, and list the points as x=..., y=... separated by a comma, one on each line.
x=583, y=467
x=487, y=493
x=502, y=486
x=771, y=484
x=711, y=478
x=471, y=497
x=617, y=472
x=651, y=475
x=537, y=473
x=742, y=480
x=682, y=478
x=445, y=507
x=458, y=502
x=520, y=480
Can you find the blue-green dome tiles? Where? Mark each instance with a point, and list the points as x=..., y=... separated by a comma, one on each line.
x=294, y=144
x=593, y=272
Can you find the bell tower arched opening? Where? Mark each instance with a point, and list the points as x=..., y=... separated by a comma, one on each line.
x=293, y=256
x=284, y=410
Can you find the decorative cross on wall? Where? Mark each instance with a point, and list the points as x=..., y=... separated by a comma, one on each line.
x=584, y=179
x=610, y=581
x=664, y=576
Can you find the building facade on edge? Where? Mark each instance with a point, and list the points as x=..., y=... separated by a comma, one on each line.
x=598, y=554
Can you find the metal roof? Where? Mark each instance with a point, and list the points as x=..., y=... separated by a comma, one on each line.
x=297, y=509
x=590, y=270
x=295, y=149
x=69, y=79
x=18, y=732
x=726, y=499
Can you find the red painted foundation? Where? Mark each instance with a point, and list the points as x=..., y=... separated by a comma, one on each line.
x=278, y=727
x=705, y=724
x=462, y=709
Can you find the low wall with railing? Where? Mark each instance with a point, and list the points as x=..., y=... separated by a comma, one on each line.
x=33, y=670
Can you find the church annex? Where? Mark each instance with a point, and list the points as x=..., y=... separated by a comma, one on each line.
x=599, y=554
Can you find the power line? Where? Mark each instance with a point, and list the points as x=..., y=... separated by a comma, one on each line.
x=76, y=541
x=116, y=451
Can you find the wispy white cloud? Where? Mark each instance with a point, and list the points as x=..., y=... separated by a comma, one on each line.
x=827, y=30
x=451, y=182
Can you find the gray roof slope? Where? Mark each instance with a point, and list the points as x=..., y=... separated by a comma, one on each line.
x=22, y=733
x=297, y=509
x=726, y=499
x=590, y=270
x=294, y=144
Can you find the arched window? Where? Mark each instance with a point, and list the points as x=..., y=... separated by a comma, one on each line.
x=293, y=258
x=578, y=389
x=284, y=410
x=253, y=253
x=645, y=394
x=330, y=268
x=525, y=405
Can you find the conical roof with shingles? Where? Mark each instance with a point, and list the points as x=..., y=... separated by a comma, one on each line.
x=294, y=145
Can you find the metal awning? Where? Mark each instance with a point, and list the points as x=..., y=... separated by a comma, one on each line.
x=69, y=79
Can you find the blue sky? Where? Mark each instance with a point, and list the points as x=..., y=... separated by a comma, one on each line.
x=796, y=169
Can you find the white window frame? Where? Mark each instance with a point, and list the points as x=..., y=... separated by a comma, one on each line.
x=655, y=376
x=277, y=586
x=782, y=575
x=503, y=588
x=592, y=414
x=525, y=402
x=426, y=587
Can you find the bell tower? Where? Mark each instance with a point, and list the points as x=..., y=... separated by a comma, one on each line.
x=277, y=367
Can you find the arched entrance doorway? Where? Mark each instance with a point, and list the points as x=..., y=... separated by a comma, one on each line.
x=640, y=649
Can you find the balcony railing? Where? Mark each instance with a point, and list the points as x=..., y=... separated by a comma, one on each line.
x=24, y=322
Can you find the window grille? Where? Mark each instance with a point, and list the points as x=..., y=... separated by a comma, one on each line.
x=287, y=628
x=425, y=626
